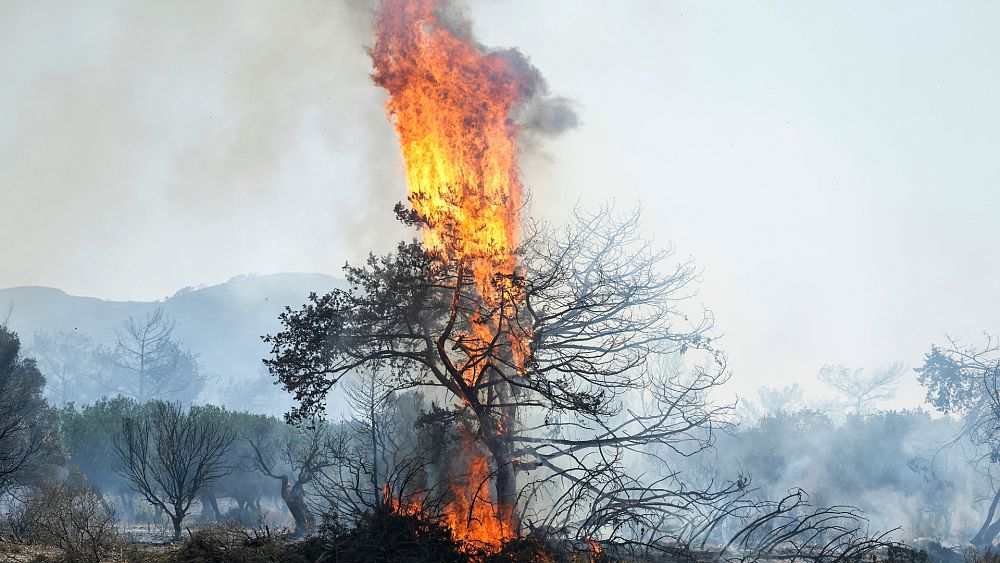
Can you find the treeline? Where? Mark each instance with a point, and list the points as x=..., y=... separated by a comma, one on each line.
x=160, y=452
x=892, y=465
x=145, y=362
x=71, y=476
x=77, y=480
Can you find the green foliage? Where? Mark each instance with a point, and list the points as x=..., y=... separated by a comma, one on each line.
x=953, y=386
x=244, y=483
x=87, y=433
x=30, y=446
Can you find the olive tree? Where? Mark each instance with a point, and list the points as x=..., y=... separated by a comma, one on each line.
x=169, y=454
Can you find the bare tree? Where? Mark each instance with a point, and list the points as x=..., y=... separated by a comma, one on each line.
x=770, y=401
x=542, y=372
x=295, y=457
x=861, y=389
x=168, y=455
x=148, y=364
x=375, y=424
x=66, y=358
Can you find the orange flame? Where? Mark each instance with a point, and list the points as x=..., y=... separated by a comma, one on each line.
x=472, y=516
x=593, y=548
x=451, y=106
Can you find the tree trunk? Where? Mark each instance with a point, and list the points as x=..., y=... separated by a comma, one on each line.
x=983, y=540
x=505, y=481
x=177, y=527
x=296, y=503
x=128, y=510
x=208, y=502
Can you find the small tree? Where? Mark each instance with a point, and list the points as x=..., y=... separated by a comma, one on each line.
x=85, y=432
x=68, y=515
x=375, y=424
x=66, y=358
x=861, y=389
x=294, y=457
x=29, y=428
x=168, y=455
x=148, y=364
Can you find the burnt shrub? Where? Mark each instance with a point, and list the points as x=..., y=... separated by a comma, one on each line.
x=233, y=543
x=69, y=516
x=383, y=534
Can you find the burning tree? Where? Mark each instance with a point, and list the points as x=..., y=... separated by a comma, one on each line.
x=539, y=346
x=541, y=378
x=544, y=347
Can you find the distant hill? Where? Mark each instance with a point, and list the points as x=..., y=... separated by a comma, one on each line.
x=221, y=323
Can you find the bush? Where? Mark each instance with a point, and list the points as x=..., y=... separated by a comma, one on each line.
x=247, y=516
x=69, y=516
x=386, y=535
x=233, y=543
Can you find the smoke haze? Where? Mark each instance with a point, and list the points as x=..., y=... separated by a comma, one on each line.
x=831, y=170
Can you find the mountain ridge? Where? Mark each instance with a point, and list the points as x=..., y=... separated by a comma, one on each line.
x=222, y=324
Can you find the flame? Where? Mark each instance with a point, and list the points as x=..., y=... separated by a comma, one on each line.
x=471, y=515
x=451, y=105
x=594, y=549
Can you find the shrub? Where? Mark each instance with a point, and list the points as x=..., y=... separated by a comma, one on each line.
x=69, y=516
x=386, y=535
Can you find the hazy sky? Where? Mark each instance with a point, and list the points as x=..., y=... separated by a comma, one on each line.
x=830, y=166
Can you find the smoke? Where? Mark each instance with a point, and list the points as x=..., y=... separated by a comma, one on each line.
x=164, y=134
x=541, y=113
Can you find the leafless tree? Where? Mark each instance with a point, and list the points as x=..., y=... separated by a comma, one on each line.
x=374, y=423
x=295, y=457
x=546, y=370
x=168, y=455
x=984, y=434
x=68, y=515
x=66, y=358
x=148, y=364
x=862, y=389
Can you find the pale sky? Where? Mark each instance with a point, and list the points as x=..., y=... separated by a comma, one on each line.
x=830, y=166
